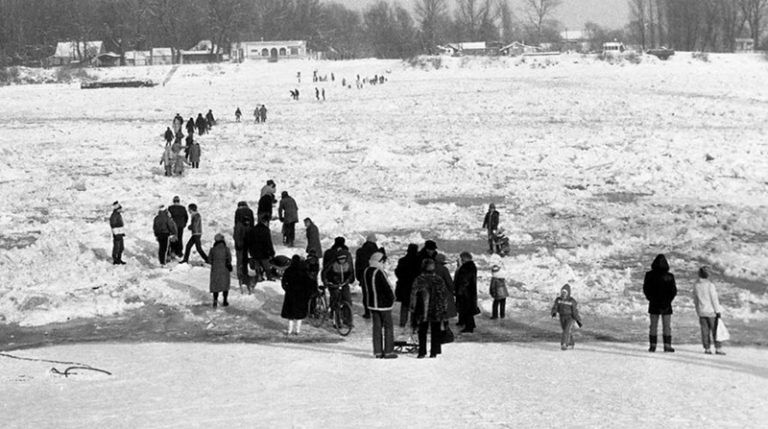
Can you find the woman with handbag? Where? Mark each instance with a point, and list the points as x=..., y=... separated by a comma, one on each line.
x=708, y=309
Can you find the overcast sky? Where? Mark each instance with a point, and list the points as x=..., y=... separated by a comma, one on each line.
x=572, y=13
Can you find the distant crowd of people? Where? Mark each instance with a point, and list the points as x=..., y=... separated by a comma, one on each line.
x=180, y=151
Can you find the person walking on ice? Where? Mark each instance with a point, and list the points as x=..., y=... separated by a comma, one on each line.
x=491, y=224
x=379, y=300
x=196, y=228
x=498, y=292
x=298, y=287
x=116, y=224
x=568, y=309
x=238, y=115
x=708, y=309
x=221, y=266
x=165, y=231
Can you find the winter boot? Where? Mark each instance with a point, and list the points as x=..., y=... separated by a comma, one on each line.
x=668, y=344
x=652, y=340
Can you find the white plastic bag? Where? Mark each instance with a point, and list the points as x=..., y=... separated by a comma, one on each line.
x=722, y=332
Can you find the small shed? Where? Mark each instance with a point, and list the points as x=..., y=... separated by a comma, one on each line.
x=199, y=57
x=137, y=58
x=161, y=56
x=107, y=59
x=76, y=52
x=744, y=45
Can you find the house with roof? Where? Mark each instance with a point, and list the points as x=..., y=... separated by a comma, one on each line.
x=204, y=52
x=161, y=56
x=576, y=40
x=515, y=49
x=76, y=52
x=744, y=45
x=469, y=48
x=269, y=50
x=137, y=58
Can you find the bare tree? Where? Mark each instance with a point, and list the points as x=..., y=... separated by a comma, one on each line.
x=508, y=30
x=538, y=11
x=754, y=11
x=431, y=16
x=638, y=10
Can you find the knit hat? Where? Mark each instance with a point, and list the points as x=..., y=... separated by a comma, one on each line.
x=430, y=245
x=566, y=288
x=371, y=237
x=338, y=241
x=376, y=258
x=440, y=259
x=176, y=199
x=218, y=237
x=116, y=206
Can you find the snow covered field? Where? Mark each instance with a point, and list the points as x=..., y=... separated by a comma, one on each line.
x=314, y=385
x=595, y=168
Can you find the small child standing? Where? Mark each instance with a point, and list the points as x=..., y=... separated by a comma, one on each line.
x=568, y=309
x=498, y=292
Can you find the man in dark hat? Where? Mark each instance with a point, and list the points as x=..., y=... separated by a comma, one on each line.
x=116, y=223
x=288, y=213
x=429, y=251
x=491, y=224
x=180, y=218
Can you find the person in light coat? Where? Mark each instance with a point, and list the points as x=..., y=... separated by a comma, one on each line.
x=708, y=309
x=379, y=299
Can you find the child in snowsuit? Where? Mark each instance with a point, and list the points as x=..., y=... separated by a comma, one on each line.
x=498, y=292
x=568, y=309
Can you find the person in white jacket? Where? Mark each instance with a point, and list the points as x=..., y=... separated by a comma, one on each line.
x=708, y=309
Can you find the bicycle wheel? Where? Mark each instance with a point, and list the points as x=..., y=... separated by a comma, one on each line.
x=318, y=311
x=342, y=318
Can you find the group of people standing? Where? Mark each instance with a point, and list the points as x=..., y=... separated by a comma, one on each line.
x=173, y=159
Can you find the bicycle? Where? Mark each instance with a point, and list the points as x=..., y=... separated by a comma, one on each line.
x=338, y=310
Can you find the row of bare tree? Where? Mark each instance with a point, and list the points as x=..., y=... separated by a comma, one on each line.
x=30, y=28
x=705, y=25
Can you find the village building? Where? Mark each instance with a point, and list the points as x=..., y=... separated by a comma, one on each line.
x=469, y=48
x=76, y=53
x=271, y=50
x=161, y=56
x=204, y=52
x=515, y=49
x=576, y=40
x=137, y=58
x=744, y=45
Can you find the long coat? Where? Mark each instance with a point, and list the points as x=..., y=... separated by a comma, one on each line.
x=243, y=224
x=288, y=210
x=378, y=294
x=465, y=282
x=443, y=273
x=313, y=240
x=408, y=268
x=258, y=241
x=194, y=152
x=221, y=265
x=428, y=299
x=298, y=287
x=362, y=257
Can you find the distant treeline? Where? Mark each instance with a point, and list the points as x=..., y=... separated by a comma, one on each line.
x=29, y=29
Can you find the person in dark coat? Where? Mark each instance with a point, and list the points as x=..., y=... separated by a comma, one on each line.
x=337, y=276
x=660, y=289
x=244, y=222
x=362, y=256
x=196, y=228
x=260, y=249
x=221, y=265
x=118, y=234
x=188, y=142
x=313, y=237
x=465, y=282
x=428, y=251
x=168, y=135
x=298, y=289
x=178, y=121
x=428, y=307
x=191, y=126
x=165, y=230
x=209, y=120
x=491, y=224
x=180, y=217
x=442, y=271
x=288, y=213
x=408, y=268
x=201, y=124
x=339, y=243
x=266, y=202
x=263, y=109
x=379, y=301
x=238, y=114
x=568, y=309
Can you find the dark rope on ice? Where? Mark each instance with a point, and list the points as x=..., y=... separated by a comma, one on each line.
x=66, y=373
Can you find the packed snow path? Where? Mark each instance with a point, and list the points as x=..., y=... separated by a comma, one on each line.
x=298, y=384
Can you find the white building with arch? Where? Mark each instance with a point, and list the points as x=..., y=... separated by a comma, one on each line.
x=271, y=50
